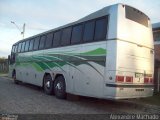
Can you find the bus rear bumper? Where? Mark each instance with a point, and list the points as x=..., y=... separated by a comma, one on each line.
x=112, y=91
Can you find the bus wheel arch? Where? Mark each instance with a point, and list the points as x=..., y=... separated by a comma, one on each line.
x=60, y=86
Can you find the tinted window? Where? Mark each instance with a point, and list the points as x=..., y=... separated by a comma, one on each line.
x=23, y=46
x=76, y=34
x=66, y=35
x=88, y=31
x=56, y=40
x=31, y=44
x=26, y=46
x=42, y=42
x=36, y=43
x=16, y=48
x=49, y=40
x=101, y=28
x=13, y=48
x=136, y=15
x=19, y=47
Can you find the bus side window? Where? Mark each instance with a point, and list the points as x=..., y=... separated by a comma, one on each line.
x=100, y=29
x=19, y=47
x=36, y=43
x=42, y=42
x=76, y=34
x=31, y=44
x=13, y=48
x=66, y=35
x=56, y=39
x=23, y=46
x=16, y=48
x=49, y=40
x=89, y=31
x=26, y=46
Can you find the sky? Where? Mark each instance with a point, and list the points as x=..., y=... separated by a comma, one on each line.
x=43, y=15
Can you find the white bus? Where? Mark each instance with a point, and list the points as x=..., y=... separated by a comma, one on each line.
x=108, y=54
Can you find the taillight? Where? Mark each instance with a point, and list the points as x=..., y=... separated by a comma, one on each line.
x=129, y=79
x=146, y=80
x=151, y=80
x=119, y=78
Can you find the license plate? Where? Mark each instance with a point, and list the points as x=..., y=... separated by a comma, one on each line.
x=139, y=75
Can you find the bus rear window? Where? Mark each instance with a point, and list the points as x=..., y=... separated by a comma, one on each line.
x=136, y=15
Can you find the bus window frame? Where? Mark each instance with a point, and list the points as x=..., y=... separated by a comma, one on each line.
x=106, y=17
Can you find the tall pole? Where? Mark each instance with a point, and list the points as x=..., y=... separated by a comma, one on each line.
x=23, y=31
x=24, y=25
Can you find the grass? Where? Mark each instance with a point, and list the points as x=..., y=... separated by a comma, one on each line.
x=3, y=74
x=153, y=100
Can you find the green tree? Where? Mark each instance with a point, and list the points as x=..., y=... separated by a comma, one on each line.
x=2, y=59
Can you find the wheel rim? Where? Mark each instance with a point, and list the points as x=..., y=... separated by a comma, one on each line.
x=48, y=84
x=59, y=87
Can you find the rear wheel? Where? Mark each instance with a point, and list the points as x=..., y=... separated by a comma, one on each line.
x=60, y=87
x=48, y=85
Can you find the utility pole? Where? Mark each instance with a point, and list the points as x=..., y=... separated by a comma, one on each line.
x=23, y=30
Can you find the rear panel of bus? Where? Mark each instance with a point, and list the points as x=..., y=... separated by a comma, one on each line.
x=130, y=75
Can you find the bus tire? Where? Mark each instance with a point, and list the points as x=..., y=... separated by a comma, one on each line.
x=48, y=85
x=60, y=87
x=14, y=78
